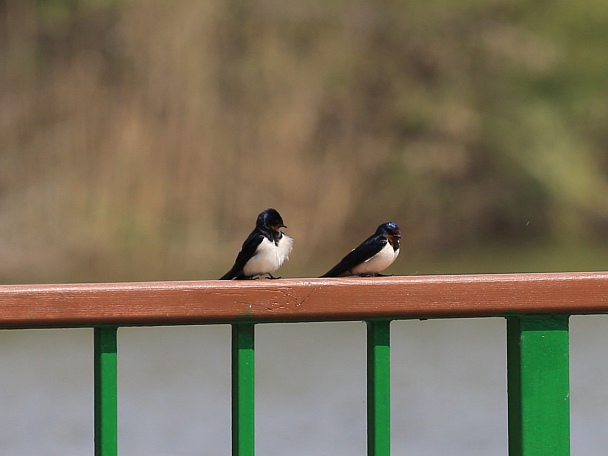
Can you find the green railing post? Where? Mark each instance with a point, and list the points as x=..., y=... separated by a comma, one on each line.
x=243, y=389
x=378, y=388
x=538, y=385
x=106, y=403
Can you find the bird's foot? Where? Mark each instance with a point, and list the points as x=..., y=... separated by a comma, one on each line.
x=270, y=276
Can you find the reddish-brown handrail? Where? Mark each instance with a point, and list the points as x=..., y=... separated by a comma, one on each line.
x=168, y=303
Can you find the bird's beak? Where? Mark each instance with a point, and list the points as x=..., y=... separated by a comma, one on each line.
x=278, y=227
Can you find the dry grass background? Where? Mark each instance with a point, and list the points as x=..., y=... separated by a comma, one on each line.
x=140, y=139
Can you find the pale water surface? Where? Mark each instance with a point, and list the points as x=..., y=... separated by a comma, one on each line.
x=448, y=376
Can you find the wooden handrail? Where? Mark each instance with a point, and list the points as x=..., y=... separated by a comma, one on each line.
x=201, y=302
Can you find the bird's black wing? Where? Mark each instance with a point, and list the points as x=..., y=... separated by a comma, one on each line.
x=371, y=246
x=247, y=251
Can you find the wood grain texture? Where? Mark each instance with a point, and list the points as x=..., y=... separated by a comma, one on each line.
x=200, y=302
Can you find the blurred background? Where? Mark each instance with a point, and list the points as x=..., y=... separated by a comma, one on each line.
x=140, y=139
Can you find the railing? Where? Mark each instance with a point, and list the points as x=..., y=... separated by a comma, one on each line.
x=536, y=307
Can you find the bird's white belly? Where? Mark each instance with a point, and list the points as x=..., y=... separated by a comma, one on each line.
x=268, y=257
x=379, y=262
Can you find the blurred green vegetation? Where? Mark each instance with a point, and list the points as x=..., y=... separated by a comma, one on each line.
x=139, y=139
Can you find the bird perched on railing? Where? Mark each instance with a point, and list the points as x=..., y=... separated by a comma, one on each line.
x=374, y=254
x=264, y=250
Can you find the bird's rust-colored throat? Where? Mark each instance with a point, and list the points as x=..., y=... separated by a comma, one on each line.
x=333, y=299
x=393, y=239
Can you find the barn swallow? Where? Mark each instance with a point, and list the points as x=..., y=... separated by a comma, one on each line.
x=264, y=250
x=374, y=254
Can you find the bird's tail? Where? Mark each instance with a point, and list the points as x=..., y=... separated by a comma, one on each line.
x=336, y=271
x=229, y=275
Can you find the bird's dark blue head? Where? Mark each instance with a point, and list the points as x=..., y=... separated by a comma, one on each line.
x=270, y=218
x=389, y=229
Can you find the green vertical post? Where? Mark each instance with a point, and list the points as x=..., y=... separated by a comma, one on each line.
x=243, y=389
x=378, y=388
x=106, y=401
x=538, y=385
